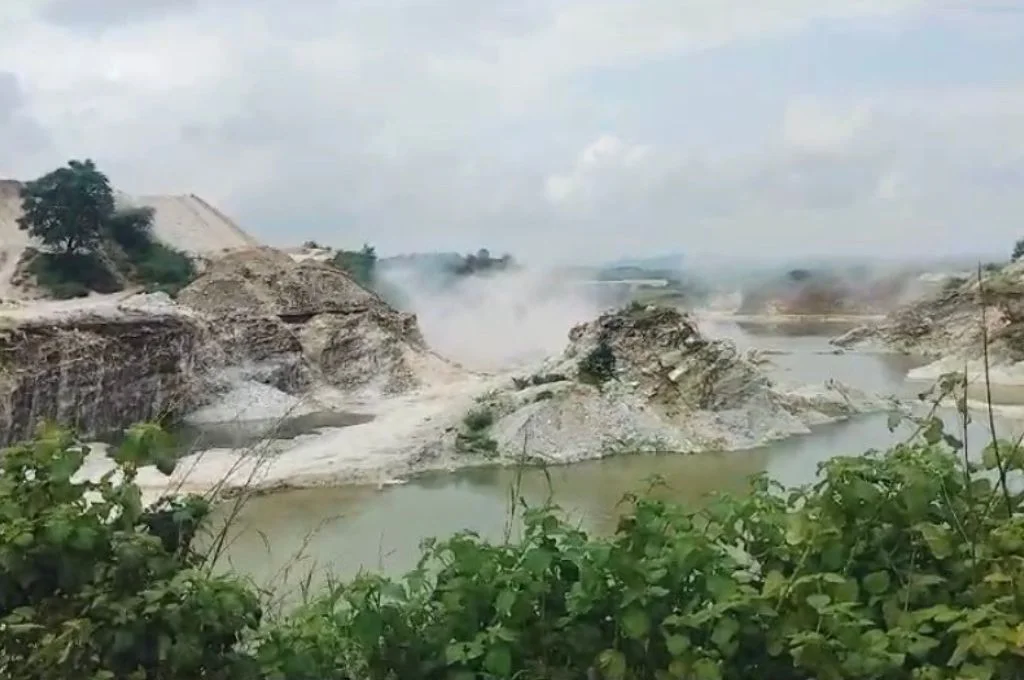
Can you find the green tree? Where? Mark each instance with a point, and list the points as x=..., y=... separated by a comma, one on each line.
x=1018, y=250
x=68, y=208
x=361, y=264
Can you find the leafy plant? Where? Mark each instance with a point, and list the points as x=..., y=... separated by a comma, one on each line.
x=598, y=366
x=95, y=585
x=478, y=419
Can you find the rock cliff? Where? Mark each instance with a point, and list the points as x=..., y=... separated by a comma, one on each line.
x=99, y=370
x=255, y=323
x=310, y=316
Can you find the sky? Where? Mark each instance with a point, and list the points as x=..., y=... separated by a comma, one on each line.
x=554, y=129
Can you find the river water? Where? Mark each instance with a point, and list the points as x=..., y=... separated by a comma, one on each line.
x=343, y=530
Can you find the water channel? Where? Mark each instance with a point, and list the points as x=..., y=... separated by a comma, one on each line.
x=343, y=530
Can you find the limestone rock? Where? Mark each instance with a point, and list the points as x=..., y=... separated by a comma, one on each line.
x=669, y=389
x=370, y=349
x=267, y=282
x=97, y=372
x=306, y=320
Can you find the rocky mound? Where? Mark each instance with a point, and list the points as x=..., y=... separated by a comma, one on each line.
x=308, y=315
x=948, y=324
x=644, y=379
x=804, y=292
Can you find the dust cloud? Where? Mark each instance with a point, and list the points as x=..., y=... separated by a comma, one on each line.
x=497, y=321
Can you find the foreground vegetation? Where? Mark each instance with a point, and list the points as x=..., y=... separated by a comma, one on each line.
x=903, y=564
x=89, y=244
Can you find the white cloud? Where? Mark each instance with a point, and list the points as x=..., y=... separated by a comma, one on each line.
x=461, y=123
x=809, y=126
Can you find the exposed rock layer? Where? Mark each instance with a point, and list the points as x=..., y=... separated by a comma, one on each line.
x=97, y=373
x=669, y=389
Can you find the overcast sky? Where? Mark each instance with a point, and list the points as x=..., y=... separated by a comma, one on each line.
x=596, y=128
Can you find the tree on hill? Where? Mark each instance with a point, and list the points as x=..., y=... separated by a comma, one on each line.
x=68, y=208
x=92, y=245
x=1018, y=250
x=360, y=264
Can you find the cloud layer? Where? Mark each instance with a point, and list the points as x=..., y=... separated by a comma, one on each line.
x=556, y=129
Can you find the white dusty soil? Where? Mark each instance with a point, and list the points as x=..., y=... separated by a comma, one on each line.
x=376, y=452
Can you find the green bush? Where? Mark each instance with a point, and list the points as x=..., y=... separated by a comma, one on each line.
x=94, y=585
x=162, y=268
x=70, y=275
x=598, y=366
x=478, y=419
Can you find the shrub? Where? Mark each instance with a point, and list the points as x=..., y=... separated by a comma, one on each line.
x=164, y=268
x=598, y=366
x=95, y=585
x=132, y=229
x=69, y=275
x=478, y=419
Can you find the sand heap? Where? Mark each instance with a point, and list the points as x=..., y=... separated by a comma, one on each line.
x=310, y=320
x=645, y=379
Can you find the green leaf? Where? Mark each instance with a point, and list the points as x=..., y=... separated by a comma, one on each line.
x=499, y=661
x=612, y=663
x=933, y=431
x=819, y=601
x=455, y=653
x=774, y=582
x=938, y=538
x=635, y=623
x=877, y=582
x=503, y=604
x=724, y=632
x=677, y=644
x=706, y=669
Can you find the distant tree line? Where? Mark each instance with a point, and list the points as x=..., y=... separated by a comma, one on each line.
x=481, y=262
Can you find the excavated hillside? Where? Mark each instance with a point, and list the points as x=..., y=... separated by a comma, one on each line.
x=99, y=367
x=645, y=379
x=347, y=336
x=949, y=322
x=257, y=326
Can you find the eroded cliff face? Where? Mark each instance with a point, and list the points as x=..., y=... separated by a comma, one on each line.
x=310, y=320
x=97, y=373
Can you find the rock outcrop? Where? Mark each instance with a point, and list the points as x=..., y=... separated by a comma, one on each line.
x=307, y=320
x=98, y=370
x=645, y=379
x=948, y=323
